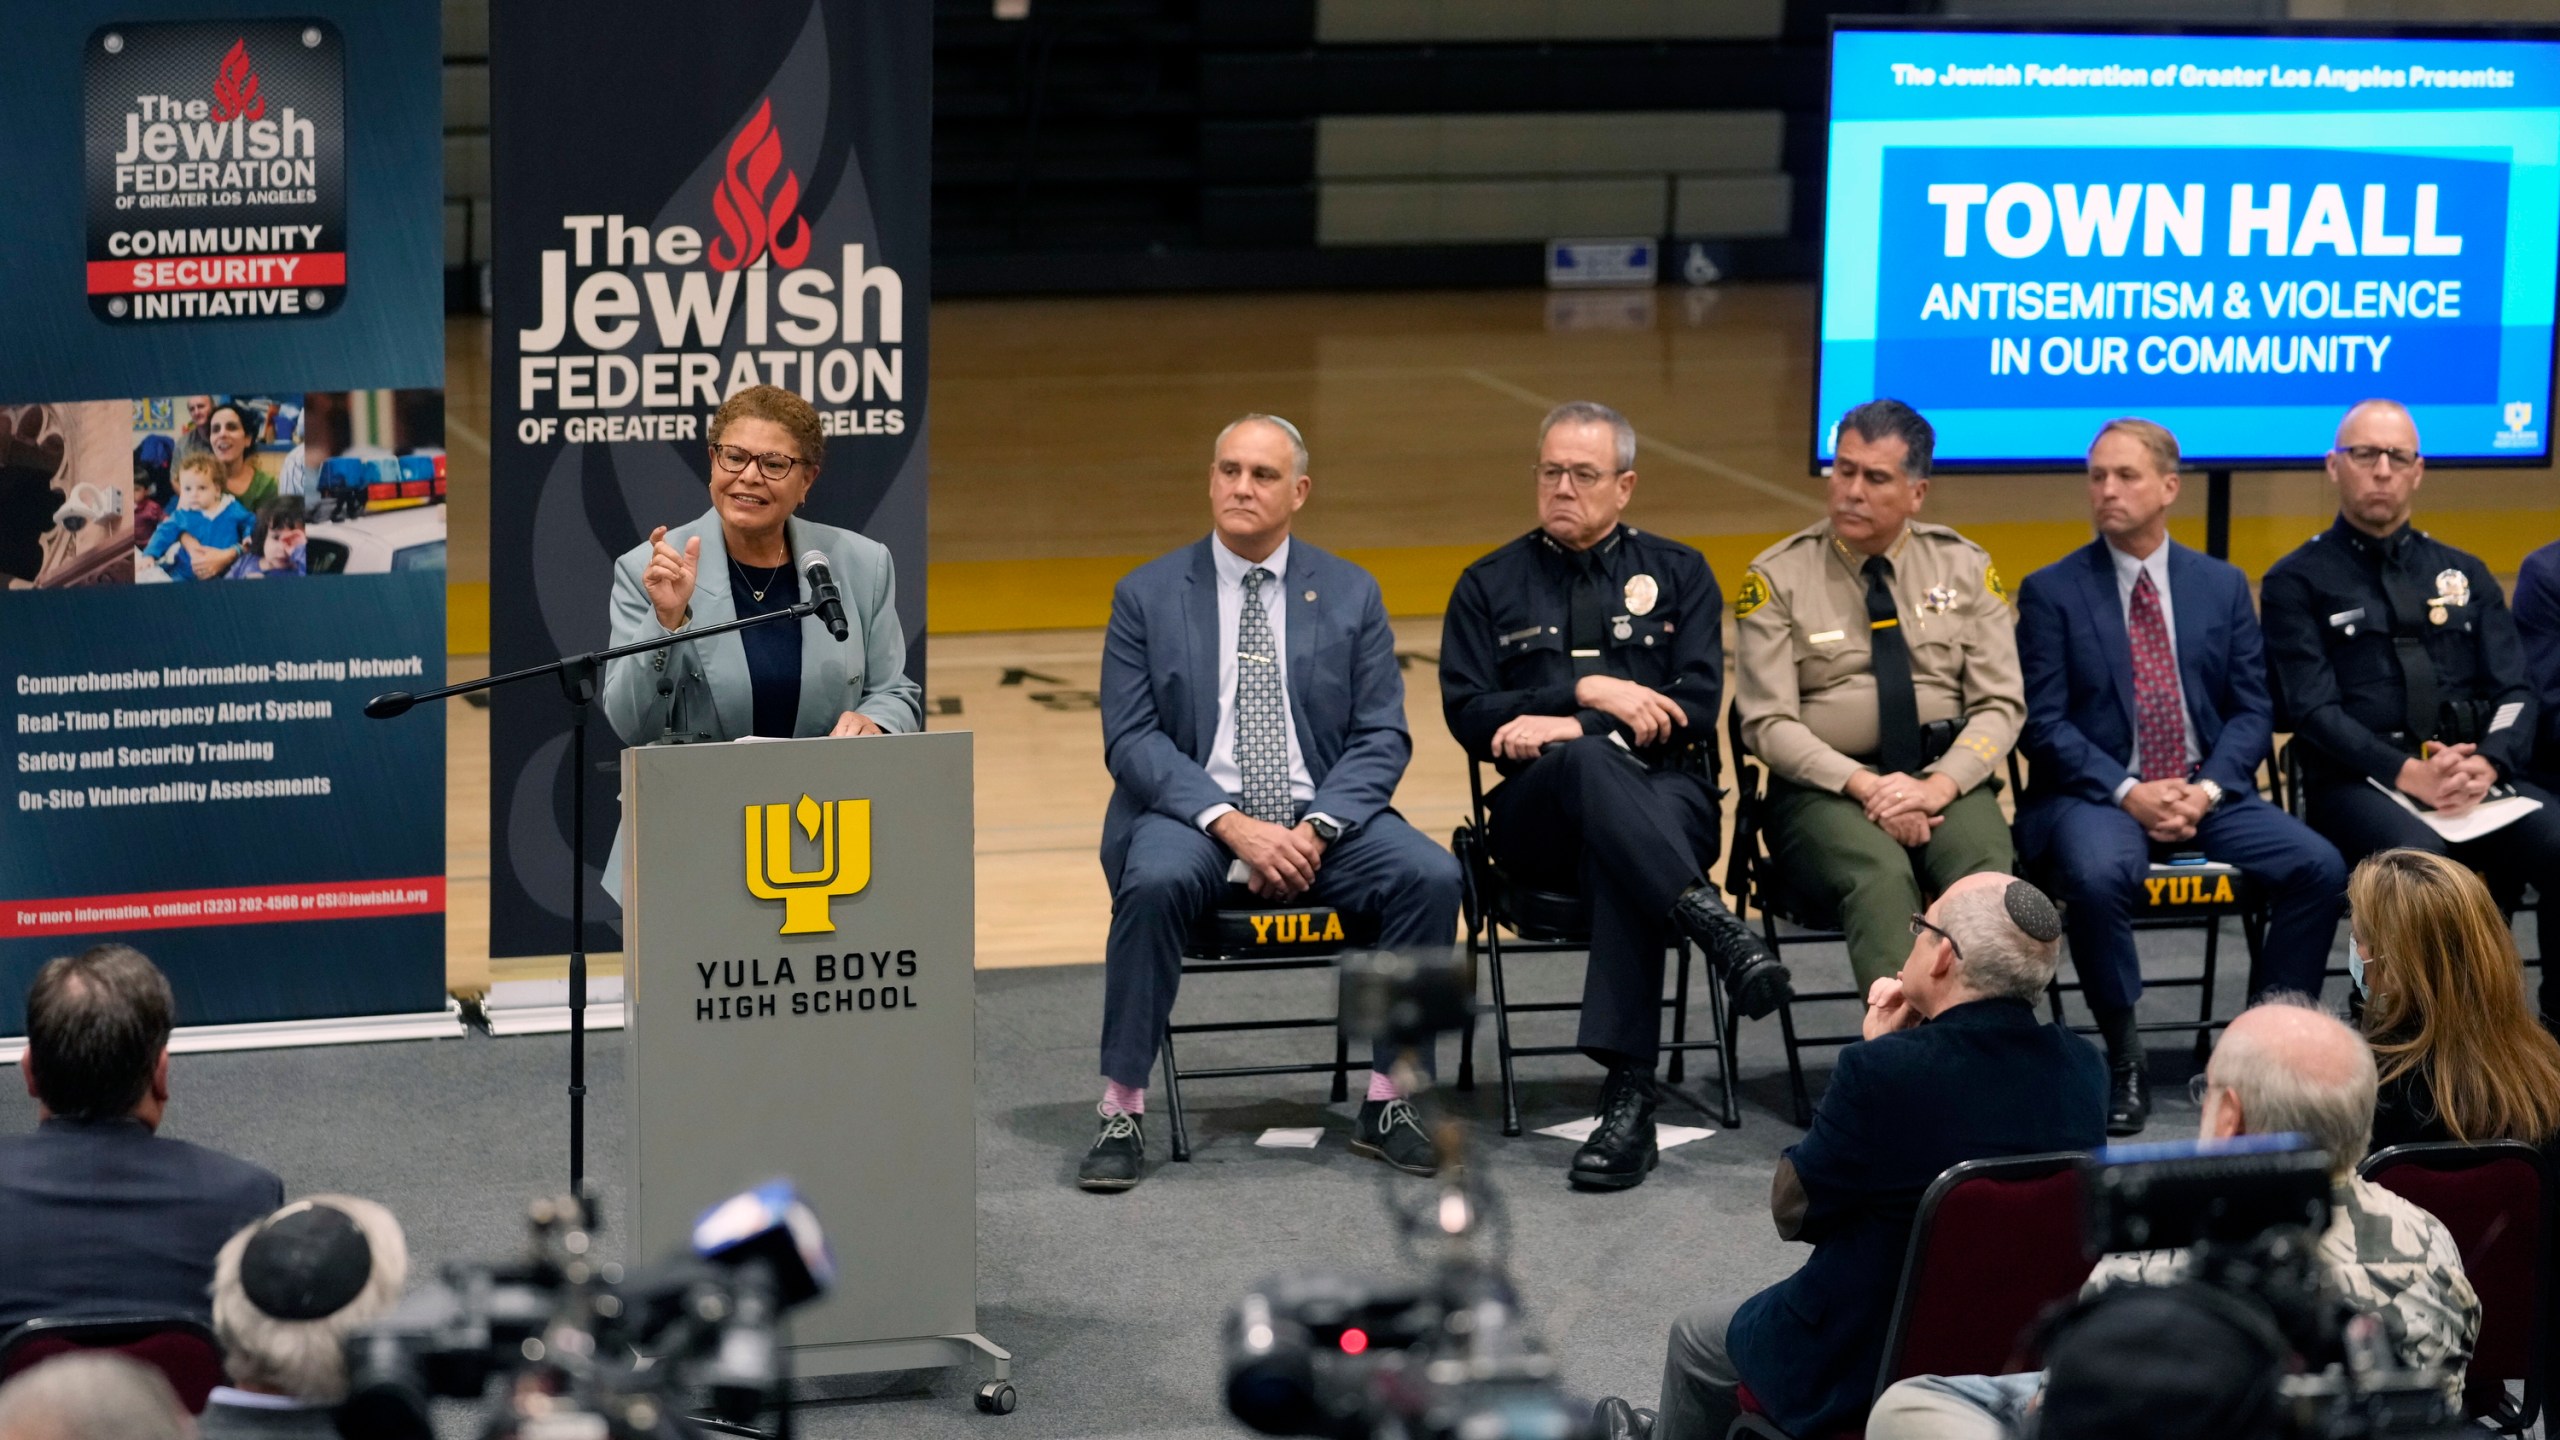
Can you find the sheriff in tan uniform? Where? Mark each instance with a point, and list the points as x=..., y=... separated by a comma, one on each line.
x=1877, y=678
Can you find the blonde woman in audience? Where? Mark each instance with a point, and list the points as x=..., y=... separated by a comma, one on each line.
x=2461, y=1054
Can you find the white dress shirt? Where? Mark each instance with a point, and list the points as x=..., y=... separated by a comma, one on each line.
x=2128, y=573
x=1222, y=767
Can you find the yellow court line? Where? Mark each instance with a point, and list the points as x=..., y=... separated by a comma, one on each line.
x=1073, y=592
x=1792, y=495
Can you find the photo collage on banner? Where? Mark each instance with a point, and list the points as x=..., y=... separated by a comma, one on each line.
x=225, y=372
x=763, y=219
x=221, y=487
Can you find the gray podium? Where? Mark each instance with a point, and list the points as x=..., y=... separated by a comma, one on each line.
x=799, y=937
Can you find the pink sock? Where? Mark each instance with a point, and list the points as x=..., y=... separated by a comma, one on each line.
x=1382, y=1088
x=1127, y=1099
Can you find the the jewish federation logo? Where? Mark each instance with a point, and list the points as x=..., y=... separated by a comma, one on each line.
x=215, y=156
x=841, y=832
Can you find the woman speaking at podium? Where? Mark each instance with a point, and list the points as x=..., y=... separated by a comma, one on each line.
x=744, y=557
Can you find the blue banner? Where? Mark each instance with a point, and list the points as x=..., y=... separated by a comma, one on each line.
x=193, y=775
x=222, y=501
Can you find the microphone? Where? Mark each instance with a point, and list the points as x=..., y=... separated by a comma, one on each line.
x=773, y=1226
x=383, y=707
x=822, y=588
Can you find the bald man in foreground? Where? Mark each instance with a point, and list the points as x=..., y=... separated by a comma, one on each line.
x=2282, y=1066
x=1955, y=1066
x=2397, y=665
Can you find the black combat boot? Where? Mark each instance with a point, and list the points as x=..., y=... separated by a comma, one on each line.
x=1754, y=981
x=1622, y=1150
x=2128, y=1089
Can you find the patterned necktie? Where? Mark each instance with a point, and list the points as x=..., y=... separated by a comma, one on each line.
x=1889, y=655
x=1262, y=734
x=2158, y=703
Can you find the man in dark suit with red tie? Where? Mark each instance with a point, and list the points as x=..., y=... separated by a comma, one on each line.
x=2147, y=719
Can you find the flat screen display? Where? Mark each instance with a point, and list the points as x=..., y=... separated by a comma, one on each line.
x=2239, y=235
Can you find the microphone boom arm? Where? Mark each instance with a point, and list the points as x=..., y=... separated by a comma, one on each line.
x=578, y=685
x=396, y=702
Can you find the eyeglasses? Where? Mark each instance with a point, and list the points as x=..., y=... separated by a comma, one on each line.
x=2198, y=1087
x=2364, y=457
x=1921, y=924
x=775, y=465
x=1552, y=477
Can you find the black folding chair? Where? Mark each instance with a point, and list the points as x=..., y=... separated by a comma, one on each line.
x=1544, y=922
x=1756, y=884
x=1242, y=937
x=2174, y=897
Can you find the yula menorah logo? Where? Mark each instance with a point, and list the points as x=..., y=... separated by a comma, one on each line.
x=841, y=832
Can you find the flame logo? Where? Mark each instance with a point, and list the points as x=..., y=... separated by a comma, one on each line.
x=235, y=90
x=751, y=227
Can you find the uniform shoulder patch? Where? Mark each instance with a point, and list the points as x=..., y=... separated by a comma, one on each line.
x=1991, y=581
x=1753, y=594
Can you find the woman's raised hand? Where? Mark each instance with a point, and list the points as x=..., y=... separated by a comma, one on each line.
x=669, y=577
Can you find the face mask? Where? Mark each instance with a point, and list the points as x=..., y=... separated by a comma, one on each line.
x=2355, y=969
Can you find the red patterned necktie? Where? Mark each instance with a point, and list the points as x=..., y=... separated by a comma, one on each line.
x=2158, y=704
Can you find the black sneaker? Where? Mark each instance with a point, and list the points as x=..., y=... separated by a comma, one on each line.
x=1118, y=1154
x=1622, y=1150
x=1390, y=1130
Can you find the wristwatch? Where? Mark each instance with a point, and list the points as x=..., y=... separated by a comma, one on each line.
x=2212, y=793
x=1325, y=829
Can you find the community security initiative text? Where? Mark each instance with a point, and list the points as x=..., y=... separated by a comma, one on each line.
x=844, y=973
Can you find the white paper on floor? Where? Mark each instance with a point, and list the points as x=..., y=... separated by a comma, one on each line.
x=1664, y=1135
x=1284, y=1138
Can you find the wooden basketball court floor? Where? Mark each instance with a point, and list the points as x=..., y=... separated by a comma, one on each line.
x=1070, y=441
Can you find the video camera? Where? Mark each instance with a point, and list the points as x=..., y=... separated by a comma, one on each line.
x=1349, y=1357
x=2249, y=1212
x=587, y=1350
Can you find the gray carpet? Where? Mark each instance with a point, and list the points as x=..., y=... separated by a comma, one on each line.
x=1112, y=1304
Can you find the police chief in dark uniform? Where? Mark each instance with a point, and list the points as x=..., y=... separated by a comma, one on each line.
x=2397, y=664
x=1585, y=661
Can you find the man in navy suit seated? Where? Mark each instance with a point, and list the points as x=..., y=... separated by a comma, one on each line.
x=2147, y=719
x=98, y=1214
x=1955, y=1066
x=1253, y=722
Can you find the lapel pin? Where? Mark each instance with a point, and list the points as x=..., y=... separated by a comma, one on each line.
x=1311, y=597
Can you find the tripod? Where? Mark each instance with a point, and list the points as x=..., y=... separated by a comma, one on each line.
x=578, y=684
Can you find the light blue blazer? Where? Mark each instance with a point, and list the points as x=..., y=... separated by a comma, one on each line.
x=702, y=686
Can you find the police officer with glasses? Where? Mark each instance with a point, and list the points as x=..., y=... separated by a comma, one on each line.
x=2397, y=665
x=1585, y=661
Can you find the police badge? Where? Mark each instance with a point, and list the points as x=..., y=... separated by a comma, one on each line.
x=2452, y=588
x=1642, y=592
x=1938, y=600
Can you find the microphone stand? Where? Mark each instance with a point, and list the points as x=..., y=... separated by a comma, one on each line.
x=578, y=684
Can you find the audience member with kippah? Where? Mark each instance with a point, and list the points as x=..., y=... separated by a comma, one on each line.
x=1955, y=1066
x=287, y=1291
x=100, y=1215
